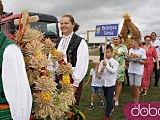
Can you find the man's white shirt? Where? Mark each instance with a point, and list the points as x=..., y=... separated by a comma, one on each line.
x=15, y=83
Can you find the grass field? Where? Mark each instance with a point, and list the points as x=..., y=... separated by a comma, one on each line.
x=98, y=113
x=94, y=52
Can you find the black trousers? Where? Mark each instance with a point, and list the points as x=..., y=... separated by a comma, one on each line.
x=101, y=56
x=156, y=73
x=78, y=93
x=127, y=77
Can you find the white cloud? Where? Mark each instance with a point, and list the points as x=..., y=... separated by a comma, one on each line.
x=89, y=13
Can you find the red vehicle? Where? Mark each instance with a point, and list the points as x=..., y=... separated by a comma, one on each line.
x=47, y=24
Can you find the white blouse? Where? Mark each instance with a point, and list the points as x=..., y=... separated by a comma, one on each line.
x=80, y=70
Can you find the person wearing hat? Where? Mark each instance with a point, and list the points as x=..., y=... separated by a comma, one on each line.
x=15, y=93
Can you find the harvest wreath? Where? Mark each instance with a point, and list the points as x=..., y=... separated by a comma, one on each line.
x=49, y=101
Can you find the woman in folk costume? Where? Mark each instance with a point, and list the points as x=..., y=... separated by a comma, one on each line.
x=76, y=51
x=15, y=93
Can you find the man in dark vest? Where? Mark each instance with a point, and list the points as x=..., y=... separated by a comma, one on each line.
x=101, y=51
x=76, y=51
x=15, y=93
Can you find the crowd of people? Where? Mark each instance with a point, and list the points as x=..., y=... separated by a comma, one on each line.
x=137, y=71
x=107, y=75
x=15, y=93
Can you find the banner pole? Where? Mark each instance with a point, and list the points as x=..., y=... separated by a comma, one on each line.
x=105, y=47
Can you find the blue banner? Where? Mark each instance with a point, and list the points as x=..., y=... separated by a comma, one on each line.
x=109, y=30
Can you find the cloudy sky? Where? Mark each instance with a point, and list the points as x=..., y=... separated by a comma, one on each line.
x=145, y=14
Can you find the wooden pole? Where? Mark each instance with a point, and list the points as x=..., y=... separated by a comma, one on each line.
x=105, y=47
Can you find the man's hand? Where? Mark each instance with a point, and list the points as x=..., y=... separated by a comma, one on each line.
x=74, y=89
x=86, y=84
x=157, y=67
